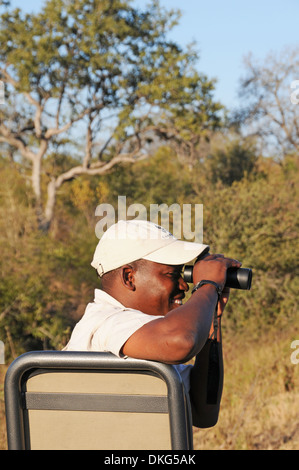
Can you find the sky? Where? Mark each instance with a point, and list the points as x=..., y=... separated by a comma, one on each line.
x=225, y=31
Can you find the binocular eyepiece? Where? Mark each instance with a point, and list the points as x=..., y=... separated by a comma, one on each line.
x=236, y=278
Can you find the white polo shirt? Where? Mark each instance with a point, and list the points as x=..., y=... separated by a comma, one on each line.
x=107, y=324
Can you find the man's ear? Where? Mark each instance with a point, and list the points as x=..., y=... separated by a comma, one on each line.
x=128, y=277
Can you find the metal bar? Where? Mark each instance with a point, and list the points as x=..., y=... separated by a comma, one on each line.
x=95, y=402
x=74, y=360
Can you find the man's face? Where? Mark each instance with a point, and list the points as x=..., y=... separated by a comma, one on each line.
x=160, y=287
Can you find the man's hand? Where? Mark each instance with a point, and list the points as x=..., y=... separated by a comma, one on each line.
x=213, y=267
x=223, y=301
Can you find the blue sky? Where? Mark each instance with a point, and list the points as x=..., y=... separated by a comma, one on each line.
x=225, y=31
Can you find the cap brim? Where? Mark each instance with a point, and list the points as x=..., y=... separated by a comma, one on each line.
x=178, y=252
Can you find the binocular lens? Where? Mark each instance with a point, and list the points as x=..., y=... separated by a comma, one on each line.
x=236, y=278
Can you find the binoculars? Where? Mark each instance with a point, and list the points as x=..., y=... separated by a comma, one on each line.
x=236, y=278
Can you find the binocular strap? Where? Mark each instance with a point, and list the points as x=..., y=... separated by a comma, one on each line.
x=214, y=366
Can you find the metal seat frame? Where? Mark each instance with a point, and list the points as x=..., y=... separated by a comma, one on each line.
x=18, y=401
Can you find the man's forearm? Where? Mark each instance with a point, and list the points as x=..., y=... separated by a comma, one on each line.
x=180, y=335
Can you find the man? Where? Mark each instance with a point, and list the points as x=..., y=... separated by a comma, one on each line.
x=139, y=312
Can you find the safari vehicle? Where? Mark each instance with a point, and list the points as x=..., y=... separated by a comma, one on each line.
x=91, y=400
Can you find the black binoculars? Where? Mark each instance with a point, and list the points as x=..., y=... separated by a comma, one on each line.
x=236, y=278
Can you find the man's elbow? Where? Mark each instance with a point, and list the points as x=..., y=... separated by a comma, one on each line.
x=182, y=348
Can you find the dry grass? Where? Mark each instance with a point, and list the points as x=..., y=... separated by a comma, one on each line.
x=3, y=445
x=260, y=400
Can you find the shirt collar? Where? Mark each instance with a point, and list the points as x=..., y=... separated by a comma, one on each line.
x=100, y=296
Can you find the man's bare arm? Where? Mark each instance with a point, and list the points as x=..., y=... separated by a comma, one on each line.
x=182, y=333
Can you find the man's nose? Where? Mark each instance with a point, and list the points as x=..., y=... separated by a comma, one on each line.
x=183, y=285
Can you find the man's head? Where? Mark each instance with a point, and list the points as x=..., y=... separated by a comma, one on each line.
x=140, y=265
x=150, y=287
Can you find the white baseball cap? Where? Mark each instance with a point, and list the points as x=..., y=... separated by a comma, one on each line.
x=131, y=240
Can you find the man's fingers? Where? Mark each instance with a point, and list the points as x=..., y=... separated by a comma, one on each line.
x=219, y=256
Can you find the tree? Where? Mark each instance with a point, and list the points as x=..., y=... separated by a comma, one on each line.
x=230, y=160
x=89, y=83
x=269, y=110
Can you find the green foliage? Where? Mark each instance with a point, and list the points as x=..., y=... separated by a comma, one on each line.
x=257, y=222
x=254, y=220
x=145, y=182
x=97, y=80
x=43, y=289
x=81, y=61
x=231, y=162
x=109, y=56
x=46, y=280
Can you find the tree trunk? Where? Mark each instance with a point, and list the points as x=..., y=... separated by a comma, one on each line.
x=36, y=174
x=36, y=186
x=50, y=205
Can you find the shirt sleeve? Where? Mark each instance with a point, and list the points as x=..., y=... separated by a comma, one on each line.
x=184, y=371
x=117, y=329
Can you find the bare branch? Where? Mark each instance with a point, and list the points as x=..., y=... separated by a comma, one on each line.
x=38, y=114
x=8, y=78
x=269, y=110
x=39, y=107
x=15, y=141
x=98, y=168
x=88, y=147
x=101, y=153
x=60, y=101
x=56, y=131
